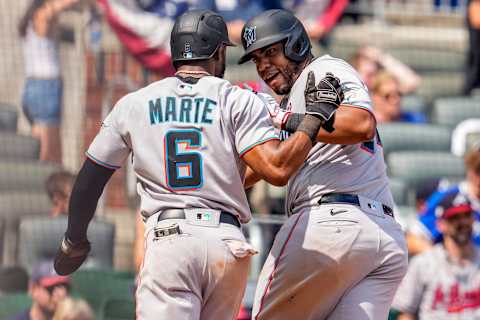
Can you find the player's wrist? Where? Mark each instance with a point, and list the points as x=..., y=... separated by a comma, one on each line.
x=310, y=125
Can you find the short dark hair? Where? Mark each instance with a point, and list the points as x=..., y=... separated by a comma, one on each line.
x=57, y=182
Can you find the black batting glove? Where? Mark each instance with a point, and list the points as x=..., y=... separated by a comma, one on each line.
x=70, y=256
x=323, y=100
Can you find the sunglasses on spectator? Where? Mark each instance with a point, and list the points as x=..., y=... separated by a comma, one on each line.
x=391, y=95
x=50, y=289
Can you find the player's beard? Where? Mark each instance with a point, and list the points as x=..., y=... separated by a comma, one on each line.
x=462, y=236
x=290, y=74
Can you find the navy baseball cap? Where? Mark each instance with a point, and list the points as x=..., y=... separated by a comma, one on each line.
x=44, y=274
x=451, y=206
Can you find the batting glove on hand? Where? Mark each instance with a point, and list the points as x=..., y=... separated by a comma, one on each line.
x=278, y=115
x=323, y=100
x=70, y=256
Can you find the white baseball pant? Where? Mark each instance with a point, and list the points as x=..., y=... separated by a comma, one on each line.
x=341, y=266
x=199, y=274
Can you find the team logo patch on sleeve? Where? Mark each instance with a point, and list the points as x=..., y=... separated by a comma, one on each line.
x=250, y=36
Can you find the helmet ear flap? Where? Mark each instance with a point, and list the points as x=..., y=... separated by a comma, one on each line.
x=297, y=46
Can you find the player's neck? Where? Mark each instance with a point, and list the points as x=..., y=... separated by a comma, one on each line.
x=193, y=71
x=459, y=254
x=302, y=66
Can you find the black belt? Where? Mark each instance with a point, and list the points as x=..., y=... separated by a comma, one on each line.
x=225, y=217
x=351, y=199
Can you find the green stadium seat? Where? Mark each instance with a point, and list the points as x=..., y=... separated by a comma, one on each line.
x=417, y=167
x=441, y=84
x=13, y=206
x=408, y=136
x=414, y=103
x=24, y=175
x=116, y=308
x=39, y=238
x=13, y=279
x=12, y=304
x=96, y=286
x=402, y=195
x=452, y=111
x=15, y=146
x=8, y=118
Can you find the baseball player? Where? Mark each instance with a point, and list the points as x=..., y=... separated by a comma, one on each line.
x=191, y=137
x=340, y=254
x=442, y=282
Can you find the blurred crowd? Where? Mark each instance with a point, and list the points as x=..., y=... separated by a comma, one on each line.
x=443, y=280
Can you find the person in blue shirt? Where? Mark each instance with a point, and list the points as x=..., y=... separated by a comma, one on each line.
x=386, y=97
x=423, y=233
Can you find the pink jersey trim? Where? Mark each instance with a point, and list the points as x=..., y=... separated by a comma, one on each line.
x=270, y=278
x=250, y=147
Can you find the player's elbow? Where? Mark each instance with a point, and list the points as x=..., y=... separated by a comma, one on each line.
x=278, y=177
x=367, y=128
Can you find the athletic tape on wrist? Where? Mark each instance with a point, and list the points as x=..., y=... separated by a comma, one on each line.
x=310, y=125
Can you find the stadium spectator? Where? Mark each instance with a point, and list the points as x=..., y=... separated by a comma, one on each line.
x=442, y=283
x=472, y=80
x=47, y=290
x=386, y=97
x=73, y=309
x=424, y=232
x=369, y=61
x=42, y=94
x=59, y=186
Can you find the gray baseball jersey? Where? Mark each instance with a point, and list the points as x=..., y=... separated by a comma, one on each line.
x=187, y=142
x=437, y=288
x=357, y=169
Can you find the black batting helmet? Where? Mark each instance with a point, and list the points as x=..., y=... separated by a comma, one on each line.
x=271, y=27
x=197, y=34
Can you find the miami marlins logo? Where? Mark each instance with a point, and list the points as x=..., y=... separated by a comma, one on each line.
x=250, y=36
x=187, y=52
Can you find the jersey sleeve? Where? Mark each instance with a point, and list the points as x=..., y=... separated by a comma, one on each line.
x=251, y=121
x=110, y=148
x=410, y=292
x=355, y=91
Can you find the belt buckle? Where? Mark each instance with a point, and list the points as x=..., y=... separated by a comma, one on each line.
x=160, y=232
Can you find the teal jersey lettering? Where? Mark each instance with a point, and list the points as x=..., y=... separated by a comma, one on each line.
x=181, y=110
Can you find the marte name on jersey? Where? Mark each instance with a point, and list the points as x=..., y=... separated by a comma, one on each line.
x=187, y=110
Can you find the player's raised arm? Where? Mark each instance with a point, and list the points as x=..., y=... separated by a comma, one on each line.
x=276, y=161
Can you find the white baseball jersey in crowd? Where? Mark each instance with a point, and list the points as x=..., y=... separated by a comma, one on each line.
x=438, y=289
x=335, y=260
x=187, y=141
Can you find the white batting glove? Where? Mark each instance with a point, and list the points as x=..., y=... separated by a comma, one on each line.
x=278, y=115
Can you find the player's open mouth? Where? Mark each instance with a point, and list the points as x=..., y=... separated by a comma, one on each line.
x=270, y=76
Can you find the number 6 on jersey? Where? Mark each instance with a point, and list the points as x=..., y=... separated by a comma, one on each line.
x=183, y=166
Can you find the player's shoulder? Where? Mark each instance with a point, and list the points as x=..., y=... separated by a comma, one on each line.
x=326, y=62
x=236, y=93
